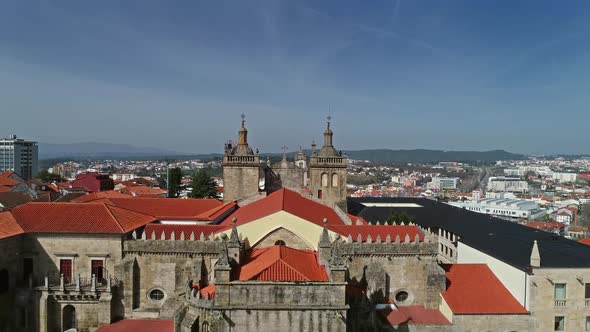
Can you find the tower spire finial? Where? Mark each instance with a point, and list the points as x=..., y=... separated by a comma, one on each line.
x=243, y=116
x=329, y=118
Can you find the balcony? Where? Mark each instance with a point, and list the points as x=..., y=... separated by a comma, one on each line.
x=559, y=303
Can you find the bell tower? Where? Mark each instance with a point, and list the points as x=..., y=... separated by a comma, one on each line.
x=327, y=173
x=241, y=168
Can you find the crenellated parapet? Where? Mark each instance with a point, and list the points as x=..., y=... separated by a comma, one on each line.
x=174, y=244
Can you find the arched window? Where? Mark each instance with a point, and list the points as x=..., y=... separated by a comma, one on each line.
x=280, y=243
x=324, y=179
x=4, y=281
x=334, y=180
x=205, y=327
x=69, y=318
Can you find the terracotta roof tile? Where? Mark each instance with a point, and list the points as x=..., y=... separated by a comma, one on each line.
x=465, y=294
x=167, y=208
x=288, y=201
x=11, y=200
x=8, y=225
x=585, y=241
x=5, y=189
x=98, y=195
x=143, y=325
x=8, y=182
x=414, y=315
x=281, y=263
x=77, y=218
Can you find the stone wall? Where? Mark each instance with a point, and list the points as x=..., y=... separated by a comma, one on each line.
x=284, y=235
x=496, y=323
x=16, y=299
x=543, y=305
x=240, y=181
x=331, y=195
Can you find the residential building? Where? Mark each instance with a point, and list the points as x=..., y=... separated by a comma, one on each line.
x=19, y=156
x=442, y=183
x=93, y=182
x=506, y=184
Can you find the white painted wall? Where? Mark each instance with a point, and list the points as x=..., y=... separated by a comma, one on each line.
x=513, y=279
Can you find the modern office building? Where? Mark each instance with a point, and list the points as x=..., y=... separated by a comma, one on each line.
x=507, y=184
x=443, y=183
x=503, y=207
x=19, y=156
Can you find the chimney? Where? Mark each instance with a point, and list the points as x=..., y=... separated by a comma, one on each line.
x=535, y=257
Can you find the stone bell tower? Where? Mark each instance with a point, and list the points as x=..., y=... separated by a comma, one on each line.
x=241, y=168
x=327, y=173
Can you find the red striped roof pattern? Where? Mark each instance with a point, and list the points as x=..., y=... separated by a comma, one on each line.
x=8, y=225
x=378, y=230
x=168, y=208
x=474, y=289
x=281, y=263
x=8, y=182
x=288, y=201
x=77, y=218
x=98, y=195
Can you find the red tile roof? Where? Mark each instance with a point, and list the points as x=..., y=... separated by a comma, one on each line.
x=168, y=208
x=98, y=195
x=8, y=182
x=207, y=230
x=281, y=263
x=545, y=224
x=209, y=289
x=139, y=325
x=288, y=201
x=378, y=230
x=414, y=315
x=6, y=174
x=78, y=218
x=474, y=289
x=585, y=241
x=8, y=225
x=143, y=190
x=11, y=200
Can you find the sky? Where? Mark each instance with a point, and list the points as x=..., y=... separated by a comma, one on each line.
x=176, y=75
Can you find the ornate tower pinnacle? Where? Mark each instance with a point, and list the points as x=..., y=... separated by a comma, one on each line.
x=243, y=132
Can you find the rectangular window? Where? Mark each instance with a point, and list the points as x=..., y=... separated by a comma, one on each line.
x=559, y=323
x=65, y=268
x=97, y=266
x=587, y=291
x=27, y=268
x=560, y=292
x=319, y=194
x=587, y=323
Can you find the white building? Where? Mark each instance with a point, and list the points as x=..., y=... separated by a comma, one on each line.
x=565, y=177
x=502, y=207
x=19, y=156
x=443, y=183
x=506, y=184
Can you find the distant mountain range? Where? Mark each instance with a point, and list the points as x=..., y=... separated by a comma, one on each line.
x=123, y=151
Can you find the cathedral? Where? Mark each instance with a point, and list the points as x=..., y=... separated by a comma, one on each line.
x=321, y=177
x=284, y=251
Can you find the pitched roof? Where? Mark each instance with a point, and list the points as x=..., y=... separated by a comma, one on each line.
x=288, y=201
x=6, y=174
x=168, y=208
x=8, y=182
x=414, y=315
x=98, y=195
x=585, y=241
x=8, y=225
x=78, y=218
x=158, y=229
x=465, y=294
x=281, y=263
x=480, y=231
x=143, y=190
x=378, y=230
x=10, y=200
x=5, y=189
x=143, y=325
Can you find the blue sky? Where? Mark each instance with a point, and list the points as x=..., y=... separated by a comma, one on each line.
x=453, y=75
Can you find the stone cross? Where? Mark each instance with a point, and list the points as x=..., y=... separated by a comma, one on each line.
x=284, y=150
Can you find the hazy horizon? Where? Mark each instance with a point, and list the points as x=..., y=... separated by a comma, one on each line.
x=395, y=74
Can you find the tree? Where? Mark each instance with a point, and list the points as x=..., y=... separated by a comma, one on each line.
x=174, y=185
x=203, y=185
x=398, y=218
x=47, y=177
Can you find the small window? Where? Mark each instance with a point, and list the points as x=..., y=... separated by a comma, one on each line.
x=324, y=179
x=4, y=281
x=334, y=180
x=156, y=295
x=280, y=243
x=559, y=323
x=401, y=296
x=320, y=194
x=587, y=323
x=560, y=292
x=587, y=291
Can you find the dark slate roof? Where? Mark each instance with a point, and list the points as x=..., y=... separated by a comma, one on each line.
x=507, y=241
